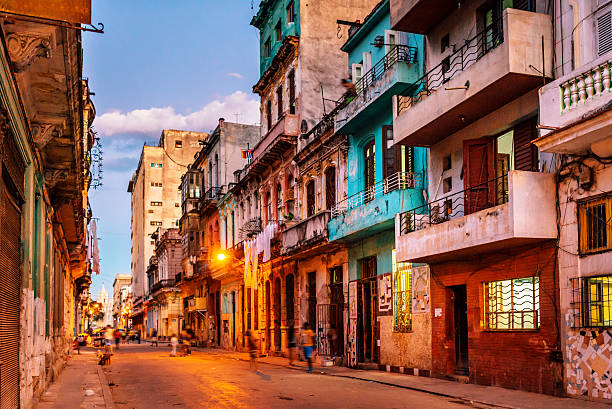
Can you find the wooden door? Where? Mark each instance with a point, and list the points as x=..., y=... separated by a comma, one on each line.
x=525, y=153
x=479, y=172
x=369, y=170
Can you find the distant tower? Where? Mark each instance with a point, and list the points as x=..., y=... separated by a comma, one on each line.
x=107, y=307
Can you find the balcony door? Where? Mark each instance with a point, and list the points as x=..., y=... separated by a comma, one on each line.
x=369, y=169
x=478, y=170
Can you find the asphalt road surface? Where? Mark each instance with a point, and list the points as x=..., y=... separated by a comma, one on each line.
x=145, y=377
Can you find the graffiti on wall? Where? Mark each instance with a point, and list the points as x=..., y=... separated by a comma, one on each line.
x=385, y=295
x=589, y=363
x=420, y=289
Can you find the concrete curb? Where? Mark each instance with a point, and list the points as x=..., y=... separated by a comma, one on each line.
x=106, y=392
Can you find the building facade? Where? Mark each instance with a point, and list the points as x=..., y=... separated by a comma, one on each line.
x=155, y=202
x=491, y=262
x=576, y=118
x=122, y=289
x=45, y=140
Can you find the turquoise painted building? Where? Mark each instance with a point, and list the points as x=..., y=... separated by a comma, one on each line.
x=275, y=20
x=383, y=179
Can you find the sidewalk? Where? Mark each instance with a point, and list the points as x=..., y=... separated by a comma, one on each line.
x=81, y=384
x=469, y=393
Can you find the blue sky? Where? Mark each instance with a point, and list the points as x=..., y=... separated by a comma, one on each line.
x=161, y=64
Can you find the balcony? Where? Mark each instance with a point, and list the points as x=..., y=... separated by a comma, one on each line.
x=574, y=111
x=211, y=197
x=419, y=16
x=161, y=284
x=498, y=65
x=388, y=77
x=515, y=209
x=306, y=233
x=197, y=304
x=279, y=139
x=372, y=210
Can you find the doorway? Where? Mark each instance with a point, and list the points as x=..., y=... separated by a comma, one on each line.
x=289, y=299
x=268, y=318
x=233, y=318
x=367, y=307
x=312, y=299
x=277, y=314
x=460, y=329
x=218, y=316
x=337, y=319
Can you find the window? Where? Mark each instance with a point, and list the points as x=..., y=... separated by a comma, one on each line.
x=269, y=115
x=290, y=13
x=310, y=198
x=150, y=211
x=444, y=43
x=156, y=165
x=154, y=223
x=177, y=205
x=447, y=163
x=280, y=208
x=595, y=224
x=604, y=32
x=279, y=31
x=267, y=48
x=369, y=168
x=447, y=185
x=330, y=187
x=156, y=184
x=291, y=80
x=156, y=203
x=402, y=296
x=279, y=101
x=592, y=302
x=268, y=205
x=513, y=304
x=178, y=144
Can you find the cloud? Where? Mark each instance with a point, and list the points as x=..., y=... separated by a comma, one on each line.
x=151, y=121
x=235, y=75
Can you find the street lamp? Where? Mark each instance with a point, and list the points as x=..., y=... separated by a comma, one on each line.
x=221, y=256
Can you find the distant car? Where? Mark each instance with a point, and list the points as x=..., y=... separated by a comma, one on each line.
x=82, y=339
x=98, y=337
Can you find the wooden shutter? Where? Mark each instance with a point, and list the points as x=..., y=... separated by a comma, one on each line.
x=388, y=151
x=478, y=168
x=310, y=198
x=604, y=33
x=370, y=165
x=525, y=153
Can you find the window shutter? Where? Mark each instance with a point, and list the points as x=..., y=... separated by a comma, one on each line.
x=525, y=153
x=604, y=33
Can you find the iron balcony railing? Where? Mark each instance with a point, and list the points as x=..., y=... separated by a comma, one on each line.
x=170, y=282
x=399, y=180
x=473, y=50
x=397, y=53
x=214, y=193
x=479, y=197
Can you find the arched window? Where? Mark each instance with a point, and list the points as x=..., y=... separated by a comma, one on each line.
x=268, y=206
x=330, y=187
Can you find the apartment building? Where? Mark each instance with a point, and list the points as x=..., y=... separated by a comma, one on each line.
x=156, y=202
x=575, y=126
x=121, y=289
x=491, y=254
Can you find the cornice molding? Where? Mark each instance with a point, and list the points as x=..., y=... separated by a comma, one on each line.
x=24, y=48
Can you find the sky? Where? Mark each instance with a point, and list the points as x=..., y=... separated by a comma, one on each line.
x=179, y=64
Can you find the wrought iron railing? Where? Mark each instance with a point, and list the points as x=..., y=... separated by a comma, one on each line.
x=478, y=197
x=170, y=282
x=591, y=302
x=473, y=50
x=214, y=193
x=400, y=180
x=397, y=53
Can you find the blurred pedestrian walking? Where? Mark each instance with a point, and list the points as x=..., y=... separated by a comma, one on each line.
x=174, y=343
x=292, y=344
x=154, y=337
x=108, y=338
x=252, y=345
x=307, y=342
x=117, y=335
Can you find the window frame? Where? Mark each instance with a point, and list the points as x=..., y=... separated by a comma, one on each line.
x=291, y=12
x=606, y=200
x=512, y=311
x=582, y=305
x=405, y=269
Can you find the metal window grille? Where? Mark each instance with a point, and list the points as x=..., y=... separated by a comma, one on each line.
x=591, y=305
x=595, y=225
x=513, y=304
x=402, y=298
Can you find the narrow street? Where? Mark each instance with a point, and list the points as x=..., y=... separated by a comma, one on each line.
x=145, y=377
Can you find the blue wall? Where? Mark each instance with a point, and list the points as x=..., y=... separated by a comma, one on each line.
x=380, y=245
x=273, y=12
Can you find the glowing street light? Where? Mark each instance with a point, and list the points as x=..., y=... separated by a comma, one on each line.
x=221, y=256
